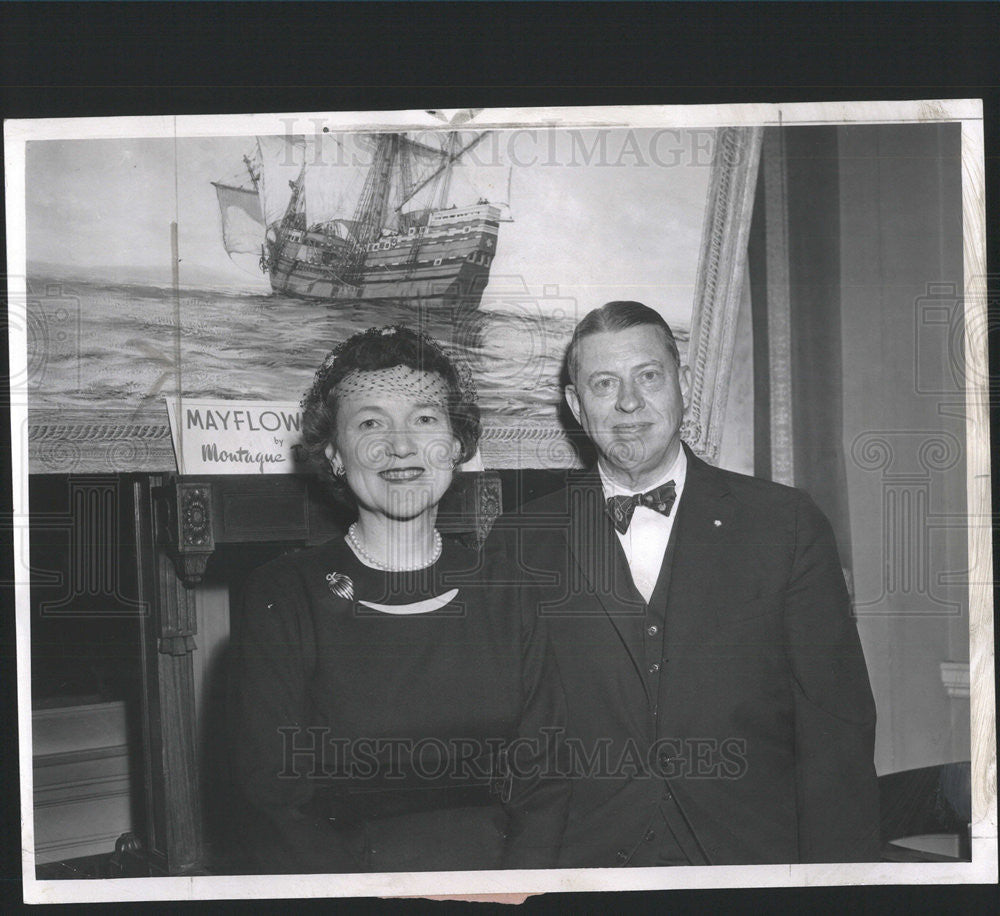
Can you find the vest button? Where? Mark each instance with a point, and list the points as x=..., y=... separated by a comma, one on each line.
x=650, y=836
x=621, y=856
x=652, y=630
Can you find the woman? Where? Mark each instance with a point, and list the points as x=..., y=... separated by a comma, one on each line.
x=392, y=686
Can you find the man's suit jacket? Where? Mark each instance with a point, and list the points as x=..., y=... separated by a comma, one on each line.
x=757, y=733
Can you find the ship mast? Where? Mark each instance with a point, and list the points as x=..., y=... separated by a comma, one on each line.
x=371, y=211
x=444, y=189
x=254, y=174
x=295, y=216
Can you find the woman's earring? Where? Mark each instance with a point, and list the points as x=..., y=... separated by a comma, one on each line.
x=336, y=465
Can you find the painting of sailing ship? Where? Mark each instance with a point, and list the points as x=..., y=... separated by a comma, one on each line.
x=225, y=267
x=369, y=216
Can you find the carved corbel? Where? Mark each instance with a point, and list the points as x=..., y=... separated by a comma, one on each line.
x=187, y=528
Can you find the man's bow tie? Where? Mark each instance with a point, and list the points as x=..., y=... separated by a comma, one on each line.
x=661, y=500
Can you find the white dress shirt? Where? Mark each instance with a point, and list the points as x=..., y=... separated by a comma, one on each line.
x=646, y=540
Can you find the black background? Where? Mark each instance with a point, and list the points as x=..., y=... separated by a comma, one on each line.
x=113, y=59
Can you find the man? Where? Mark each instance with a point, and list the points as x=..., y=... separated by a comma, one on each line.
x=719, y=705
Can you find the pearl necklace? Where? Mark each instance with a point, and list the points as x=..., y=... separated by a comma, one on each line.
x=352, y=536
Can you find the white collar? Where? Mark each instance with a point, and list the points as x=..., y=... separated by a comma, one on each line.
x=677, y=472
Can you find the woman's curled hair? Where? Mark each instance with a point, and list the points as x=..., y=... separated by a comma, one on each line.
x=369, y=351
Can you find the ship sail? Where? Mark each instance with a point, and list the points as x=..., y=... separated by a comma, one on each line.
x=279, y=162
x=336, y=168
x=242, y=218
x=420, y=164
x=471, y=182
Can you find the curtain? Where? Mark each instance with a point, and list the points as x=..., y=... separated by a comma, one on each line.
x=794, y=258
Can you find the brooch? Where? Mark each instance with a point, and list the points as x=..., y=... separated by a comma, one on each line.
x=340, y=585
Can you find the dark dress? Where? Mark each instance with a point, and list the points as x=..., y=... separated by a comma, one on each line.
x=373, y=740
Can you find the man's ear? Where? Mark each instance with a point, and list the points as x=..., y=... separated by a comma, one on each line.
x=684, y=377
x=573, y=399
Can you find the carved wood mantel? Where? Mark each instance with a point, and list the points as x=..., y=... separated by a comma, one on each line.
x=196, y=514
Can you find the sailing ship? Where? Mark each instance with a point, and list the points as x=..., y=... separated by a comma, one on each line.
x=369, y=216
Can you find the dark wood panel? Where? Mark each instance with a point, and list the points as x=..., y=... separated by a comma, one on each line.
x=269, y=510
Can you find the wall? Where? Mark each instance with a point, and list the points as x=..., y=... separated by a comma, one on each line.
x=900, y=272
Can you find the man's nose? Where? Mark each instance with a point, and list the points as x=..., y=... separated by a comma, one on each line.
x=629, y=398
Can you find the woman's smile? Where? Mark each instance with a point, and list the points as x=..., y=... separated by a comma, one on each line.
x=401, y=475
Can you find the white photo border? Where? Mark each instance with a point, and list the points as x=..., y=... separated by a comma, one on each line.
x=982, y=868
